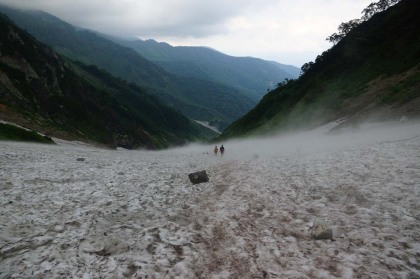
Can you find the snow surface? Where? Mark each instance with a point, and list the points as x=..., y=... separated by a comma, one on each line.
x=135, y=214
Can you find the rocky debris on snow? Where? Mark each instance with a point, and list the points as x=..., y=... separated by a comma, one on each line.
x=198, y=177
x=80, y=159
x=5, y=185
x=102, y=245
x=321, y=229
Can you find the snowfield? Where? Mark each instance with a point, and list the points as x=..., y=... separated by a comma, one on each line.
x=75, y=211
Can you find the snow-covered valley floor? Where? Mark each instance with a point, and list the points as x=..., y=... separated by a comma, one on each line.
x=135, y=214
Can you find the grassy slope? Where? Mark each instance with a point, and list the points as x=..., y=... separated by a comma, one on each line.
x=13, y=133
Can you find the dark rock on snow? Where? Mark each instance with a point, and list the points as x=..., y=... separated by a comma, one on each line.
x=198, y=177
x=322, y=230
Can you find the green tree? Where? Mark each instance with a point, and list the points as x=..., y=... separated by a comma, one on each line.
x=306, y=67
x=373, y=8
x=343, y=30
x=377, y=7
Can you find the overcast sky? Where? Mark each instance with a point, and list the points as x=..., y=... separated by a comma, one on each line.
x=287, y=31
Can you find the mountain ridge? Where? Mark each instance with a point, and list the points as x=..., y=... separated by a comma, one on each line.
x=250, y=74
x=195, y=98
x=45, y=92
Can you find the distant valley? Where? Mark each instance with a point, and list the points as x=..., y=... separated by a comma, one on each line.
x=47, y=93
x=194, y=87
x=133, y=93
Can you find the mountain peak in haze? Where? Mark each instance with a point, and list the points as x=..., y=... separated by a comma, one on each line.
x=249, y=74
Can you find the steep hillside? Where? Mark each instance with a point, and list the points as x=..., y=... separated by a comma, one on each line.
x=248, y=74
x=197, y=99
x=9, y=132
x=44, y=92
x=371, y=74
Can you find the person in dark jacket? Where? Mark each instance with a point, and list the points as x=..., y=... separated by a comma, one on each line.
x=222, y=150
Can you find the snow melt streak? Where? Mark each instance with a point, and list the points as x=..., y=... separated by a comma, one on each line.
x=121, y=214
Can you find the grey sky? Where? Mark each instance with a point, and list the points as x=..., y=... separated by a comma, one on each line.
x=287, y=31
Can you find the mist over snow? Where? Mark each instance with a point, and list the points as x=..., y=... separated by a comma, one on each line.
x=72, y=210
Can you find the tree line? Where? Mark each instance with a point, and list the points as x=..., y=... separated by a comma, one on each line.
x=345, y=27
x=373, y=8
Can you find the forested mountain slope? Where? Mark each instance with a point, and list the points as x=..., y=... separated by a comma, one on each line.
x=196, y=98
x=251, y=75
x=372, y=73
x=53, y=95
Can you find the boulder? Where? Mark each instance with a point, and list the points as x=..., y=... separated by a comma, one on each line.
x=322, y=230
x=198, y=177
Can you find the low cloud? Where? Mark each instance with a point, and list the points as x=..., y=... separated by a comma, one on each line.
x=288, y=32
x=147, y=17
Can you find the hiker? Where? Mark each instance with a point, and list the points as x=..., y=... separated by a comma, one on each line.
x=215, y=150
x=222, y=150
